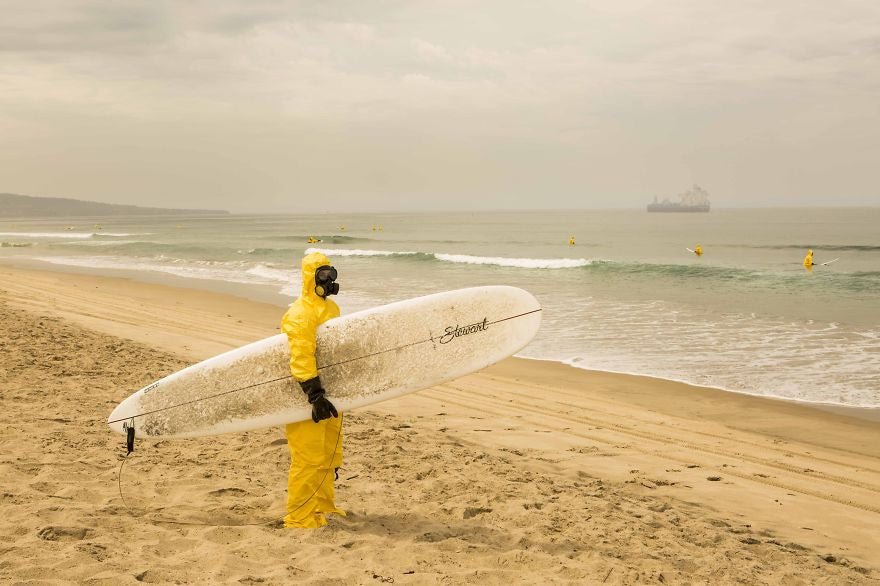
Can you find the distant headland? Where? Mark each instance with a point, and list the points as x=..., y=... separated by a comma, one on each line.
x=25, y=206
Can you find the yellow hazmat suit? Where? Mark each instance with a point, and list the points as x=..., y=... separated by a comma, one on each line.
x=315, y=448
x=808, y=260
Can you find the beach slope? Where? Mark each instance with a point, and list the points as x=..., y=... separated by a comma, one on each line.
x=528, y=472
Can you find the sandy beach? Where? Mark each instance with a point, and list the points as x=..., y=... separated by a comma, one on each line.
x=527, y=472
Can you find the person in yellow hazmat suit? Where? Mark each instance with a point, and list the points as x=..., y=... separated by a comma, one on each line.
x=316, y=445
x=808, y=260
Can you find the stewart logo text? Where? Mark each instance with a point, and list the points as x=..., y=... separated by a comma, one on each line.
x=457, y=332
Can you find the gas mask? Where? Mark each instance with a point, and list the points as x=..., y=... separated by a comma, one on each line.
x=325, y=277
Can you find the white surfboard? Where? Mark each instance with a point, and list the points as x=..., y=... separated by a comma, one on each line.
x=363, y=358
x=828, y=262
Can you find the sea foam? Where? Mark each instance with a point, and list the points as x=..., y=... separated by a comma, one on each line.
x=72, y=235
x=229, y=271
x=357, y=252
x=48, y=234
x=524, y=263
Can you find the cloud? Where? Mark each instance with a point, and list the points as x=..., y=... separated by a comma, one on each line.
x=441, y=96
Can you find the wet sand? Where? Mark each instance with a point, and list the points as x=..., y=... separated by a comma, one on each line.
x=528, y=472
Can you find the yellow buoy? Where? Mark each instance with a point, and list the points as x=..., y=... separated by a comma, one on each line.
x=808, y=260
x=571, y=240
x=698, y=250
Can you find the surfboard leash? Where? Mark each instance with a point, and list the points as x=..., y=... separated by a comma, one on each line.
x=130, y=449
x=131, y=511
x=129, y=445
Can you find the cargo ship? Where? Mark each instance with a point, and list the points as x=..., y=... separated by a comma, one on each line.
x=696, y=199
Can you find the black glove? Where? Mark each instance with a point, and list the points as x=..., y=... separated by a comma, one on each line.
x=322, y=408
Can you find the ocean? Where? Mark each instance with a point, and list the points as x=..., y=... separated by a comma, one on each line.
x=627, y=297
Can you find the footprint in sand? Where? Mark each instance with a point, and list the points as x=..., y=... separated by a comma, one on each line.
x=228, y=491
x=59, y=533
x=474, y=511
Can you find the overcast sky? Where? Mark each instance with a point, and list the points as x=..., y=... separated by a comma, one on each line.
x=385, y=105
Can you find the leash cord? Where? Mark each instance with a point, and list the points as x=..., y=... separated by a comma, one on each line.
x=263, y=523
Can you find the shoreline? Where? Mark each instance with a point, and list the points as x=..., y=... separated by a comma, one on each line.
x=263, y=295
x=866, y=413
x=241, y=290
x=525, y=471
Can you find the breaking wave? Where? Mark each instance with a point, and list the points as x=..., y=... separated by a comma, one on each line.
x=855, y=281
x=66, y=235
x=524, y=263
x=500, y=261
x=229, y=271
x=70, y=235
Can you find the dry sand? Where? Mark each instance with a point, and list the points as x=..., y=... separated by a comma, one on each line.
x=528, y=472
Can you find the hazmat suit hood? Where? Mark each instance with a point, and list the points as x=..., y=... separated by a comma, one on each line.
x=310, y=264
